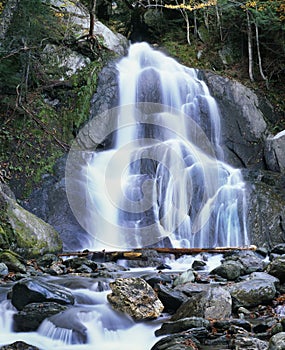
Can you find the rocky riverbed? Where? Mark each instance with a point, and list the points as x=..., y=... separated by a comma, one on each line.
x=239, y=304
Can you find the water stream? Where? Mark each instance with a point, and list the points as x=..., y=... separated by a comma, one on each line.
x=163, y=181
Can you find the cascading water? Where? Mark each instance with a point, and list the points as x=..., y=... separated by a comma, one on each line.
x=164, y=180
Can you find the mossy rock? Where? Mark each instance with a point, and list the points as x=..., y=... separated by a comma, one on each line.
x=23, y=232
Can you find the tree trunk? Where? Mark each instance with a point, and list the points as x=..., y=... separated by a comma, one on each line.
x=249, y=42
x=138, y=254
x=258, y=53
x=92, y=11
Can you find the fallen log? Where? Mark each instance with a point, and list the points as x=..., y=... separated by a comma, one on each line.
x=138, y=254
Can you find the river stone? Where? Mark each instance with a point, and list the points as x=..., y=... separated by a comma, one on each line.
x=249, y=343
x=277, y=268
x=135, y=297
x=213, y=303
x=177, y=342
x=32, y=315
x=185, y=277
x=13, y=261
x=248, y=261
x=279, y=249
x=230, y=270
x=182, y=325
x=171, y=299
x=19, y=345
x=3, y=269
x=252, y=292
x=277, y=342
x=32, y=290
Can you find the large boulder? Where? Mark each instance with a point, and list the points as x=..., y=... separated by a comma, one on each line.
x=32, y=315
x=32, y=290
x=252, y=292
x=213, y=303
x=77, y=16
x=135, y=297
x=277, y=342
x=23, y=232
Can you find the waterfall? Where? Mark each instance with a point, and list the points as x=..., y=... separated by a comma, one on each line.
x=164, y=180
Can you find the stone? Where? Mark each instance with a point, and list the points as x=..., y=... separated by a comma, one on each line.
x=23, y=232
x=252, y=292
x=243, y=116
x=247, y=261
x=213, y=303
x=13, y=261
x=276, y=268
x=275, y=155
x=135, y=297
x=185, y=277
x=3, y=269
x=34, y=290
x=182, y=325
x=171, y=299
x=279, y=249
x=177, y=342
x=32, y=315
x=19, y=345
x=277, y=342
x=230, y=270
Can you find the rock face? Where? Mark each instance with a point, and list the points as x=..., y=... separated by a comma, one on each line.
x=243, y=126
x=23, y=232
x=275, y=155
x=135, y=297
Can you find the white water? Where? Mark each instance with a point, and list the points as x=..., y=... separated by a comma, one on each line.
x=104, y=328
x=164, y=177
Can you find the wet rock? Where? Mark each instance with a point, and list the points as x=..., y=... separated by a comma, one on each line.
x=170, y=298
x=185, y=277
x=277, y=342
x=279, y=249
x=225, y=325
x=19, y=345
x=177, y=342
x=229, y=270
x=277, y=267
x=182, y=325
x=46, y=260
x=248, y=261
x=246, y=342
x=32, y=315
x=198, y=265
x=135, y=297
x=252, y=292
x=34, y=290
x=213, y=303
x=156, y=280
x=3, y=269
x=78, y=263
x=13, y=261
